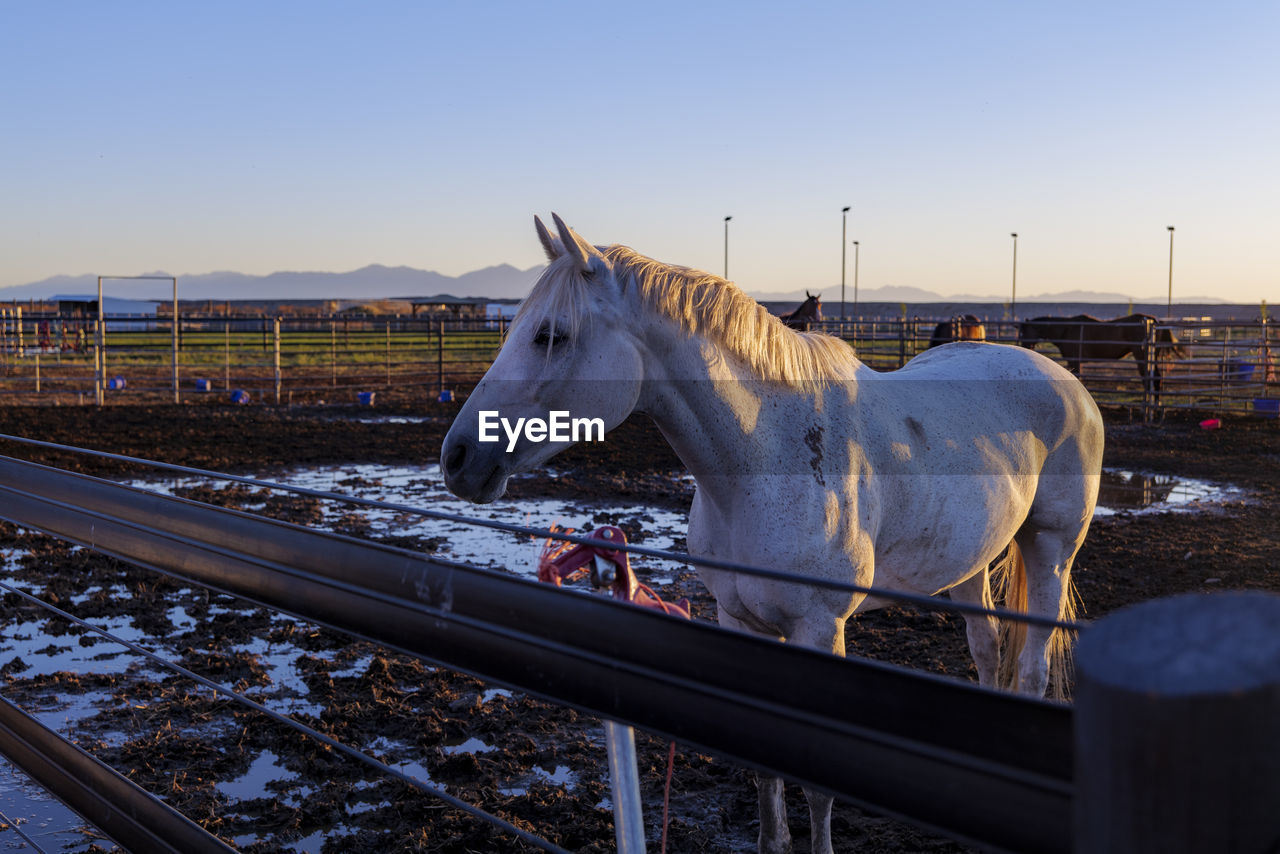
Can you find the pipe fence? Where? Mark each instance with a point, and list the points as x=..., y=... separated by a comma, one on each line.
x=1199, y=365
x=339, y=358
x=982, y=766
x=692, y=682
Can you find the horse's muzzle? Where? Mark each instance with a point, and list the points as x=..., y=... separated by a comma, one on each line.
x=472, y=472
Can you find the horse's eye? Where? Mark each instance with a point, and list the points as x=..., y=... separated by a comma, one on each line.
x=545, y=337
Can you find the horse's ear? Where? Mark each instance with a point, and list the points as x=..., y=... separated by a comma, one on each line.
x=581, y=251
x=548, y=242
x=807, y=294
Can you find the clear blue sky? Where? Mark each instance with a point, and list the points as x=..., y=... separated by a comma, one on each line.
x=191, y=137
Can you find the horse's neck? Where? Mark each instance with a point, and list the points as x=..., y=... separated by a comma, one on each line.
x=720, y=419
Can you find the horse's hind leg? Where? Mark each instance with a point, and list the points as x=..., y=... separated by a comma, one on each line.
x=983, y=631
x=775, y=836
x=1047, y=553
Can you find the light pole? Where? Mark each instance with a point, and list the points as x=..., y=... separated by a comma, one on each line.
x=844, y=226
x=726, y=247
x=855, y=280
x=1013, y=300
x=1169, y=307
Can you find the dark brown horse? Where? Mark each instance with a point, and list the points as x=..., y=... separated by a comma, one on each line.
x=1084, y=338
x=810, y=311
x=966, y=327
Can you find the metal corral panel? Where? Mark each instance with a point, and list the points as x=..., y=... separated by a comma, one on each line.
x=977, y=764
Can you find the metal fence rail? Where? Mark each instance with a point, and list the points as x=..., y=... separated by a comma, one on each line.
x=58, y=358
x=985, y=767
x=111, y=802
x=1209, y=366
x=1215, y=366
x=864, y=731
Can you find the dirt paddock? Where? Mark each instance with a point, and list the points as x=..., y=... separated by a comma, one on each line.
x=178, y=741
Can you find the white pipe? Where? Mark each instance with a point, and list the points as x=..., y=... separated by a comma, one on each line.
x=624, y=777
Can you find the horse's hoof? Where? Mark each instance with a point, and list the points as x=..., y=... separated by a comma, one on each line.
x=775, y=846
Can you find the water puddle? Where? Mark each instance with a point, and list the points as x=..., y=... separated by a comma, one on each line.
x=266, y=768
x=1126, y=491
x=561, y=777
x=423, y=487
x=51, y=825
x=470, y=745
x=392, y=419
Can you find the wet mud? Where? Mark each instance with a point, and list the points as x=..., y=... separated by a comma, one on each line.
x=264, y=787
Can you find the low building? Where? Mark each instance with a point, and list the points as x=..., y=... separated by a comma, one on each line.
x=450, y=307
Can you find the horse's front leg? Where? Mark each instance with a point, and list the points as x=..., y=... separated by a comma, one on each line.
x=826, y=634
x=775, y=836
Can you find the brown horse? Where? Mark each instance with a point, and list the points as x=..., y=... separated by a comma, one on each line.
x=810, y=311
x=966, y=327
x=1084, y=338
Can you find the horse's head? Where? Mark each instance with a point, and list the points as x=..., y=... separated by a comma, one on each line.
x=570, y=350
x=1028, y=333
x=808, y=311
x=968, y=327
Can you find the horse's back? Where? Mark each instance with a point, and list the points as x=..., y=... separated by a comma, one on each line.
x=989, y=388
x=965, y=435
x=979, y=360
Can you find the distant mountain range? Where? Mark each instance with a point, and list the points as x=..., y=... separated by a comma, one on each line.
x=897, y=293
x=500, y=282
x=373, y=282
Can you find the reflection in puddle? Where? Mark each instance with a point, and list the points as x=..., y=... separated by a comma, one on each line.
x=484, y=547
x=561, y=776
x=266, y=768
x=1121, y=491
x=1128, y=491
x=466, y=745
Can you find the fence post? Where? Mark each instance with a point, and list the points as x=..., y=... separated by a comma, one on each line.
x=440, y=356
x=37, y=373
x=624, y=781
x=176, y=335
x=1177, y=727
x=1225, y=369
x=99, y=358
x=388, y=354
x=333, y=351
x=276, y=358
x=1150, y=382
x=226, y=353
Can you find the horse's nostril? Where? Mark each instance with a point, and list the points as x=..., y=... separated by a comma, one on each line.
x=456, y=458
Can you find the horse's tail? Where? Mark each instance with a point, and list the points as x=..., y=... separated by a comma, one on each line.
x=1010, y=583
x=1010, y=592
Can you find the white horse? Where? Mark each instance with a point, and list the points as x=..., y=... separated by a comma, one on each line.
x=805, y=459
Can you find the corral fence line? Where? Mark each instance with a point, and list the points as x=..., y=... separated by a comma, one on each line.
x=1215, y=366
x=273, y=359
x=985, y=767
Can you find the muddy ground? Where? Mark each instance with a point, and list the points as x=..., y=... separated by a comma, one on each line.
x=178, y=741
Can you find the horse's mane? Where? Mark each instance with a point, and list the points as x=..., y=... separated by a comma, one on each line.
x=701, y=304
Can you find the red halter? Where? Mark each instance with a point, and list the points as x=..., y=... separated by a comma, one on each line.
x=609, y=568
